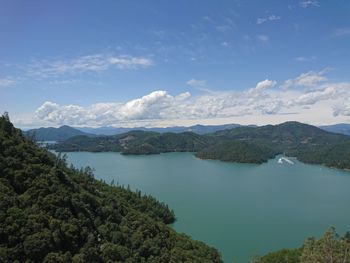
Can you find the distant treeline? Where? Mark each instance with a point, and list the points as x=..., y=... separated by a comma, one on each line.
x=241, y=144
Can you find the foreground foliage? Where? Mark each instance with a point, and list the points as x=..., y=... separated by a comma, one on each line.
x=330, y=248
x=52, y=213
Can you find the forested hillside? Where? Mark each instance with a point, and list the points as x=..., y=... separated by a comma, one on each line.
x=136, y=142
x=52, y=213
x=241, y=144
x=54, y=134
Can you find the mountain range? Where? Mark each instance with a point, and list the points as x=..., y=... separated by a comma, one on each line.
x=64, y=132
x=241, y=144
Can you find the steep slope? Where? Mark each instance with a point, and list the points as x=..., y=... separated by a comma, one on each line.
x=55, y=134
x=52, y=213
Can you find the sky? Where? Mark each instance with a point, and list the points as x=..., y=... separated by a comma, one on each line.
x=127, y=63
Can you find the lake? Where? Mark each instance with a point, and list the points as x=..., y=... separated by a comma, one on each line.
x=241, y=209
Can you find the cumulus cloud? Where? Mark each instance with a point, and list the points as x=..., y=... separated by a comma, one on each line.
x=265, y=99
x=342, y=109
x=309, y=3
x=155, y=105
x=89, y=63
x=262, y=20
x=307, y=79
x=265, y=84
x=314, y=96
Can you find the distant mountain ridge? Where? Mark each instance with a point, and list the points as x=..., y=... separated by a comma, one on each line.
x=199, y=129
x=342, y=128
x=65, y=132
x=241, y=144
x=55, y=134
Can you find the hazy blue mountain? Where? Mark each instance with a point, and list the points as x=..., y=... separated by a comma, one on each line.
x=199, y=129
x=55, y=134
x=342, y=128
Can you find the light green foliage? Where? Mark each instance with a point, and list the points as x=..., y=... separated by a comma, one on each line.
x=330, y=248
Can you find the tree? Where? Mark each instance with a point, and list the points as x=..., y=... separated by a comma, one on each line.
x=328, y=249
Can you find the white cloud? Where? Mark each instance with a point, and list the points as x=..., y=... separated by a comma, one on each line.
x=309, y=3
x=263, y=38
x=307, y=79
x=89, y=63
x=196, y=83
x=260, y=21
x=7, y=82
x=265, y=84
x=339, y=32
x=152, y=106
x=314, y=96
x=320, y=101
x=305, y=59
x=342, y=109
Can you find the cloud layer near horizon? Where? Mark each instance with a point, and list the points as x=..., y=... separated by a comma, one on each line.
x=309, y=94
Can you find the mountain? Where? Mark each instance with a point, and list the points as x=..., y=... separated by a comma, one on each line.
x=55, y=134
x=136, y=142
x=341, y=128
x=307, y=143
x=199, y=129
x=241, y=144
x=52, y=213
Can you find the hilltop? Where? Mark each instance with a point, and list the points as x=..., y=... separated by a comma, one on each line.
x=55, y=134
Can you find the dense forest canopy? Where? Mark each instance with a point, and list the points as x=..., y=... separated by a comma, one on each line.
x=241, y=144
x=53, y=213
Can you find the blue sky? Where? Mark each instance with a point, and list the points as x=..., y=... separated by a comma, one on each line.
x=161, y=63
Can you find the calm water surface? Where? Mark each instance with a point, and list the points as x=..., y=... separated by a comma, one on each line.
x=242, y=210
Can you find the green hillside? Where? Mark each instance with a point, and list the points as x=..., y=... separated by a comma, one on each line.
x=52, y=213
x=55, y=134
x=242, y=144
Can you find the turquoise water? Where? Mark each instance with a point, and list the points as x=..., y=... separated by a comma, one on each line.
x=242, y=210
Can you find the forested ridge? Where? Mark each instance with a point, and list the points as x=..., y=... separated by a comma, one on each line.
x=241, y=144
x=54, y=213
x=55, y=134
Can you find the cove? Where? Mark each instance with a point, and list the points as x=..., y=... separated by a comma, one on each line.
x=241, y=209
